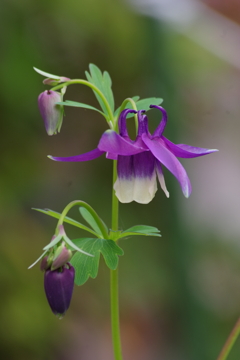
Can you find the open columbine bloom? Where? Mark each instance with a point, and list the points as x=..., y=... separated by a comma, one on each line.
x=140, y=161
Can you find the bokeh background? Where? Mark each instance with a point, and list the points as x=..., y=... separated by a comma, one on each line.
x=179, y=294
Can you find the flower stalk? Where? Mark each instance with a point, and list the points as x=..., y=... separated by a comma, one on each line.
x=115, y=323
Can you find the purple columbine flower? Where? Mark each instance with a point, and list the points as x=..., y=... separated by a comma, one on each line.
x=58, y=285
x=52, y=113
x=140, y=161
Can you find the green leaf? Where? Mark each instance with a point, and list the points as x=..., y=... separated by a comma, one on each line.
x=128, y=105
x=142, y=230
x=145, y=103
x=75, y=247
x=86, y=266
x=104, y=83
x=48, y=75
x=91, y=221
x=127, y=234
x=142, y=104
x=67, y=220
x=78, y=104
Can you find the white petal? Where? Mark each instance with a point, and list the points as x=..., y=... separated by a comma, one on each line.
x=124, y=190
x=161, y=179
x=141, y=190
x=144, y=189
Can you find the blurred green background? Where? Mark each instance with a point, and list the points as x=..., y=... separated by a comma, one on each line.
x=180, y=294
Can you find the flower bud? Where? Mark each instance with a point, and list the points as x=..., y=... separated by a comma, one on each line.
x=58, y=285
x=44, y=265
x=52, y=114
x=54, y=82
x=61, y=257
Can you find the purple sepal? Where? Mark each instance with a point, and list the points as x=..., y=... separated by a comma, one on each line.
x=52, y=114
x=169, y=160
x=122, y=122
x=160, y=129
x=93, y=154
x=113, y=143
x=186, y=151
x=58, y=285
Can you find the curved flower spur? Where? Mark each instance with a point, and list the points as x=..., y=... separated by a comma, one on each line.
x=140, y=161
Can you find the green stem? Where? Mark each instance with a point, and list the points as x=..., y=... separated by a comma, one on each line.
x=114, y=200
x=230, y=341
x=94, y=88
x=87, y=207
x=115, y=315
x=114, y=281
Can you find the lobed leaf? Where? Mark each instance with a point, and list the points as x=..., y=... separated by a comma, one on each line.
x=128, y=105
x=104, y=83
x=86, y=266
x=145, y=103
x=142, y=104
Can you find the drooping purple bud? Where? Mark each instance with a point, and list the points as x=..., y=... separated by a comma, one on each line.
x=61, y=257
x=58, y=285
x=52, y=114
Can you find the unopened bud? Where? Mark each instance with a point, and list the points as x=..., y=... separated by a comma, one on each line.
x=61, y=257
x=54, y=82
x=44, y=265
x=58, y=285
x=52, y=113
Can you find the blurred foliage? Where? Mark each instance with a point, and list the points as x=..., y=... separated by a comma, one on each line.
x=182, y=296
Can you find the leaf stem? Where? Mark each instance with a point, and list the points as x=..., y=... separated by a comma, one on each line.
x=230, y=341
x=116, y=339
x=94, y=88
x=90, y=209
